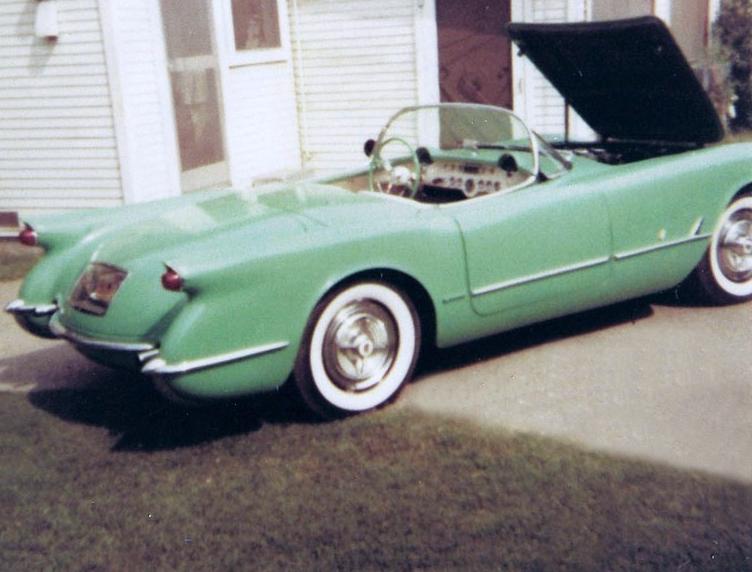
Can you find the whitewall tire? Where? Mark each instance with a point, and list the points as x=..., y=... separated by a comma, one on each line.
x=725, y=273
x=360, y=347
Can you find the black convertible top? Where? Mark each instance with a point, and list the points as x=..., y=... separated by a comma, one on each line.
x=627, y=79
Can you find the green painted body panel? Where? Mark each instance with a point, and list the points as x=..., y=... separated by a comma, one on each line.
x=256, y=264
x=515, y=236
x=659, y=201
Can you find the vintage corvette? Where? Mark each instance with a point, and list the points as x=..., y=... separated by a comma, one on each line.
x=464, y=223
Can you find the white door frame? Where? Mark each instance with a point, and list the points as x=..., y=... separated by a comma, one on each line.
x=208, y=175
x=521, y=12
x=427, y=52
x=522, y=68
x=122, y=112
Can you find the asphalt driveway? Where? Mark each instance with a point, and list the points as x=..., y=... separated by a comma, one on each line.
x=650, y=380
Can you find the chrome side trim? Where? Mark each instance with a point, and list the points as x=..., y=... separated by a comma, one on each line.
x=541, y=276
x=654, y=247
x=158, y=366
x=80, y=340
x=454, y=298
x=21, y=307
x=145, y=356
x=697, y=226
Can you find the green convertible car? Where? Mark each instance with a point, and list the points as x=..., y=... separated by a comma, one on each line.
x=463, y=223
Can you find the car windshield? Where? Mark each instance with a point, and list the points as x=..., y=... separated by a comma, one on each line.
x=457, y=126
x=462, y=130
x=455, y=151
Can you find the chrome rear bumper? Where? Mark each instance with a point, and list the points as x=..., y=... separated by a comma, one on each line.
x=146, y=352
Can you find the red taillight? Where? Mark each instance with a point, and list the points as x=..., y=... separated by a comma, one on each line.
x=28, y=236
x=171, y=280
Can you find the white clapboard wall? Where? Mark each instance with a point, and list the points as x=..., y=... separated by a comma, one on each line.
x=261, y=121
x=535, y=98
x=141, y=99
x=355, y=65
x=57, y=139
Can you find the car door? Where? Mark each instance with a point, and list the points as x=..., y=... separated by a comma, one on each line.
x=537, y=252
x=662, y=212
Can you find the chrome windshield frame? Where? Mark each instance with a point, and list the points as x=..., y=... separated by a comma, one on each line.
x=531, y=135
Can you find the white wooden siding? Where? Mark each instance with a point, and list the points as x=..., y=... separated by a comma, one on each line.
x=544, y=107
x=355, y=65
x=57, y=140
x=535, y=99
x=142, y=100
x=262, y=128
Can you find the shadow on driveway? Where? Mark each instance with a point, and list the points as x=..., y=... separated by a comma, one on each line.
x=534, y=335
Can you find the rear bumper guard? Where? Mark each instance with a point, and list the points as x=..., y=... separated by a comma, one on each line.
x=148, y=353
x=19, y=307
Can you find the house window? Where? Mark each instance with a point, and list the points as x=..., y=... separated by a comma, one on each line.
x=255, y=25
x=256, y=31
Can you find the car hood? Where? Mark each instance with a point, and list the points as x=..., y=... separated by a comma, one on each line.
x=627, y=79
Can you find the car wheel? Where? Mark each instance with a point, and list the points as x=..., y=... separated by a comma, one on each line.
x=724, y=275
x=360, y=347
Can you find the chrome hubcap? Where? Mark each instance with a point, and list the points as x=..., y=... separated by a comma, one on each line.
x=735, y=247
x=360, y=345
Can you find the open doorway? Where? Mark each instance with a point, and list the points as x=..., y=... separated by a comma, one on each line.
x=475, y=63
x=196, y=95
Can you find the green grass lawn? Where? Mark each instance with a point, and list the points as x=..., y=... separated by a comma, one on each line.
x=110, y=478
x=16, y=260
x=738, y=137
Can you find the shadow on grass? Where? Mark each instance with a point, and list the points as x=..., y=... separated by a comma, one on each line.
x=126, y=404
x=139, y=418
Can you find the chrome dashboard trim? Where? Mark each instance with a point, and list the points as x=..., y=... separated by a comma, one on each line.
x=624, y=255
x=158, y=366
x=21, y=307
x=540, y=276
x=80, y=340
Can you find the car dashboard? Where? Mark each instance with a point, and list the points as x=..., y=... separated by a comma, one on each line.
x=452, y=177
x=470, y=178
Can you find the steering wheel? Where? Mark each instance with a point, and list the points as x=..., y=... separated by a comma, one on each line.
x=394, y=179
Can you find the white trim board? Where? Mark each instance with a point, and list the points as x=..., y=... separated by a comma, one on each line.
x=427, y=52
x=109, y=40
